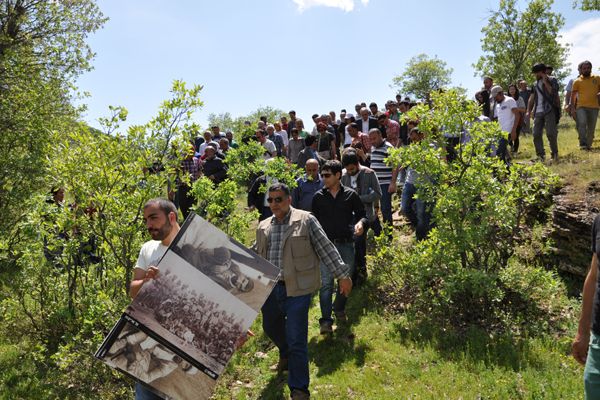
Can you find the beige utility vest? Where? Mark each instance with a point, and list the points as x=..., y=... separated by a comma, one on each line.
x=299, y=261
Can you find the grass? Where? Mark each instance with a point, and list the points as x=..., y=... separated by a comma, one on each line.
x=386, y=360
x=577, y=168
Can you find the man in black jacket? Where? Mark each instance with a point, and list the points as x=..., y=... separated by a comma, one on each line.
x=365, y=122
x=341, y=213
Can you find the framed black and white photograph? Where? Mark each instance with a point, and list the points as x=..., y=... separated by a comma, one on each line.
x=184, y=325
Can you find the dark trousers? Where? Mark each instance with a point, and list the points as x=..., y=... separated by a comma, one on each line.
x=285, y=321
x=184, y=199
x=360, y=258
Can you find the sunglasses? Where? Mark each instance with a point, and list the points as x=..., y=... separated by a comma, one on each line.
x=274, y=199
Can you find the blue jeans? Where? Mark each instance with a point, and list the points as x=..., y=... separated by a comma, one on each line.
x=385, y=204
x=416, y=211
x=591, y=373
x=285, y=321
x=141, y=393
x=346, y=250
x=407, y=203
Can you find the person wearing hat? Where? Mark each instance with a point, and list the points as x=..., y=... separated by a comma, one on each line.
x=507, y=112
x=544, y=104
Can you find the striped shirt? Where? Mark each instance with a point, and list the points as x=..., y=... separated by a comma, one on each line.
x=382, y=170
x=325, y=250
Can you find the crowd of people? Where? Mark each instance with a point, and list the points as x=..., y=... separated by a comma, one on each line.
x=316, y=232
x=192, y=317
x=369, y=132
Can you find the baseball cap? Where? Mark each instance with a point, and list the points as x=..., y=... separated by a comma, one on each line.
x=495, y=90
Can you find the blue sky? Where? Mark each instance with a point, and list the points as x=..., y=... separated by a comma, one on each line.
x=309, y=55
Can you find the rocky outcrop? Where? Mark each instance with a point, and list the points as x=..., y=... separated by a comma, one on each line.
x=572, y=219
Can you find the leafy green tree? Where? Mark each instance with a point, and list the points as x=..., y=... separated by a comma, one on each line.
x=422, y=76
x=587, y=5
x=514, y=40
x=42, y=50
x=73, y=262
x=482, y=211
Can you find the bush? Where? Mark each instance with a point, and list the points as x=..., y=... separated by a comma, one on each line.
x=465, y=272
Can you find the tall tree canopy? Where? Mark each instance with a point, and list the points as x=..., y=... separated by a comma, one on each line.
x=422, y=76
x=42, y=50
x=587, y=5
x=513, y=41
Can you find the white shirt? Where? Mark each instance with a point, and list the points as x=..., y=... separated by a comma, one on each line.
x=270, y=147
x=285, y=138
x=347, y=137
x=505, y=114
x=150, y=254
x=353, y=179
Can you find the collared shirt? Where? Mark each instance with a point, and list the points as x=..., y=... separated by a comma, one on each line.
x=337, y=215
x=189, y=167
x=279, y=143
x=325, y=250
x=303, y=193
x=382, y=170
x=587, y=89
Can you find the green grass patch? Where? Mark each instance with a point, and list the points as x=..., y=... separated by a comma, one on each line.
x=379, y=356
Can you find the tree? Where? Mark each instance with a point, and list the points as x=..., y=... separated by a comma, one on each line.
x=42, y=51
x=465, y=272
x=587, y=5
x=422, y=76
x=513, y=41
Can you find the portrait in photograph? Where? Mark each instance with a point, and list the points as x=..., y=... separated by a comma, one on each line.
x=227, y=262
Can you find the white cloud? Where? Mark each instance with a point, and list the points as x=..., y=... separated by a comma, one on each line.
x=346, y=5
x=584, y=39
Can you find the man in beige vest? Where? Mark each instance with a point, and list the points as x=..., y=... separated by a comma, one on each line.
x=294, y=241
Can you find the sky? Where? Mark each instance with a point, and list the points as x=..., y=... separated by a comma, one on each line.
x=312, y=56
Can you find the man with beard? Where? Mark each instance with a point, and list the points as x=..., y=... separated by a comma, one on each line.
x=365, y=183
x=544, y=105
x=160, y=217
x=584, y=104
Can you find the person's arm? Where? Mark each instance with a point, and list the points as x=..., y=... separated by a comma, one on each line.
x=573, y=102
x=513, y=132
x=329, y=255
x=392, y=188
x=359, y=213
x=375, y=193
x=582, y=339
x=530, y=103
x=141, y=276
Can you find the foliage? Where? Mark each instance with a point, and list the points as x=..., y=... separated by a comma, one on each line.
x=514, y=40
x=422, y=76
x=587, y=5
x=481, y=209
x=238, y=125
x=42, y=51
x=74, y=261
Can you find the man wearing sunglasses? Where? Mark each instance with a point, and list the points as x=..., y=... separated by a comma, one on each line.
x=294, y=241
x=341, y=213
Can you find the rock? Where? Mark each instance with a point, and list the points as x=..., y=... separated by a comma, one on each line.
x=571, y=228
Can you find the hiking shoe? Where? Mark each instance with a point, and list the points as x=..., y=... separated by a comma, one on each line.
x=326, y=327
x=282, y=365
x=340, y=316
x=298, y=394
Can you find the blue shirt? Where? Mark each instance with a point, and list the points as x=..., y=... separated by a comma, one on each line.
x=303, y=194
